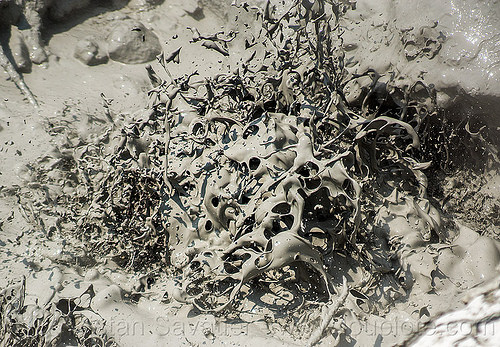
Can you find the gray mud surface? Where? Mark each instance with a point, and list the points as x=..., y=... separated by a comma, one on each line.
x=208, y=173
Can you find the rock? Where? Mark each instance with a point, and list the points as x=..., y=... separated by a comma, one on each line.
x=19, y=51
x=88, y=52
x=130, y=42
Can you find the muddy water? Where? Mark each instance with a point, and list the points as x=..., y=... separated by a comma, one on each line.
x=452, y=45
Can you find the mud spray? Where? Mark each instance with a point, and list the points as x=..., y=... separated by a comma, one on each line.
x=285, y=192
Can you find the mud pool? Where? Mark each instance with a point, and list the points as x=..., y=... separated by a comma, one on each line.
x=293, y=172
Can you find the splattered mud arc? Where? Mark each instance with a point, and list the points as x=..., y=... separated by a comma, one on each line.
x=254, y=174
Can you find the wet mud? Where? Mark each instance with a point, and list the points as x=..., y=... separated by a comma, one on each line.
x=268, y=182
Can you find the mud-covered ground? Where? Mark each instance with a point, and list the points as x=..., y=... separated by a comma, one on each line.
x=296, y=172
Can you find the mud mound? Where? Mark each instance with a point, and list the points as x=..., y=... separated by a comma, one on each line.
x=270, y=167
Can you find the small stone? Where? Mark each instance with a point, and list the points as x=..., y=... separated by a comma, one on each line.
x=143, y=4
x=130, y=42
x=87, y=51
x=92, y=275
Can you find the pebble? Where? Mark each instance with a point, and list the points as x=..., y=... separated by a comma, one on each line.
x=92, y=275
x=143, y=4
x=88, y=52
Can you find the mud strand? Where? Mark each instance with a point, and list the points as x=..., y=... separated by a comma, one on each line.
x=229, y=177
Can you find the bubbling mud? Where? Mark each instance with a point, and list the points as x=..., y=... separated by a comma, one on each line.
x=279, y=174
x=267, y=168
x=270, y=168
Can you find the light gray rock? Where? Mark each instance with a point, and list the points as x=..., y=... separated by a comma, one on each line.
x=130, y=42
